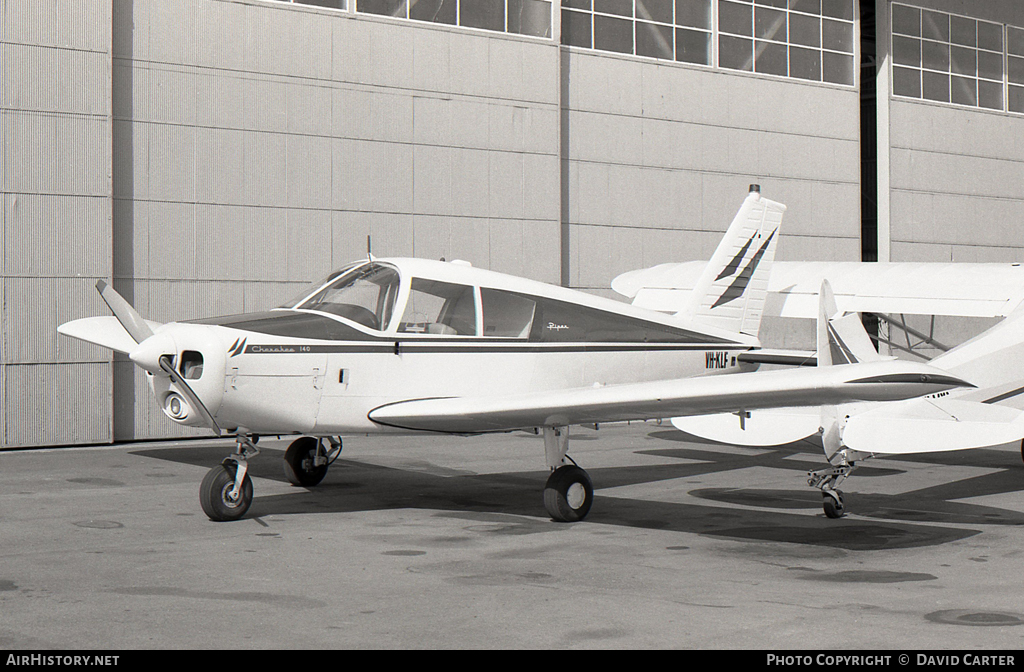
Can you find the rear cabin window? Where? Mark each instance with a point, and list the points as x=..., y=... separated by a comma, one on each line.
x=506, y=315
x=557, y=321
x=436, y=307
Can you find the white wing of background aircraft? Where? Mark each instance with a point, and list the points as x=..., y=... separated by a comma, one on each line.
x=407, y=345
x=914, y=288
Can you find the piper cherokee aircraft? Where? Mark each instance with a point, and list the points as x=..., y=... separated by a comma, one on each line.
x=410, y=345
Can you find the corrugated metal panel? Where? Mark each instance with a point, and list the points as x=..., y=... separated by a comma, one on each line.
x=30, y=331
x=35, y=307
x=220, y=229
x=266, y=295
x=6, y=203
x=57, y=236
x=266, y=234
x=83, y=156
x=83, y=25
x=31, y=22
x=56, y=404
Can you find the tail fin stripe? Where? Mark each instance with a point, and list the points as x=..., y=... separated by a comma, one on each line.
x=731, y=267
x=736, y=289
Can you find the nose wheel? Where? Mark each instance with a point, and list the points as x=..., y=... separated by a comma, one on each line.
x=226, y=491
x=827, y=479
x=219, y=496
x=833, y=504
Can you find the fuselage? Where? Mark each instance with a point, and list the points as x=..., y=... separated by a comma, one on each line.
x=390, y=330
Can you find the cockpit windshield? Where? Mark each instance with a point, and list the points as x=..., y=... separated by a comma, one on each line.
x=365, y=295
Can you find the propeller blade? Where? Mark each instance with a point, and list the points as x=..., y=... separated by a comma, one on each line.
x=193, y=398
x=125, y=314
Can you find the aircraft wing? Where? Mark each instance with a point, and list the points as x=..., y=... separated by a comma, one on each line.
x=932, y=425
x=875, y=381
x=915, y=288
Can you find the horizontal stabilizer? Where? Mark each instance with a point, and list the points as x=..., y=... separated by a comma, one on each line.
x=765, y=427
x=105, y=331
x=932, y=425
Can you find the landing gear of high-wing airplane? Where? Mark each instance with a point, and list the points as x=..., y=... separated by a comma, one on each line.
x=306, y=460
x=832, y=503
x=569, y=493
x=827, y=479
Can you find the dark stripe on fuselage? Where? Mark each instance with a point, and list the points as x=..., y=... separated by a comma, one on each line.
x=420, y=347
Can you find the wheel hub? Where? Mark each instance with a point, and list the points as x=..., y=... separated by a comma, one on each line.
x=576, y=495
x=227, y=498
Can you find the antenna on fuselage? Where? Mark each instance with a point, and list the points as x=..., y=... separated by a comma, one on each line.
x=369, y=253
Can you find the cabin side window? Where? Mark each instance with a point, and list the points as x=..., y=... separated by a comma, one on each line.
x=436, y=307
x=505, y=314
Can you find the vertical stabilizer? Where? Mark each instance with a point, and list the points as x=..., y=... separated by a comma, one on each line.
x=732, y=289
x=841, y=337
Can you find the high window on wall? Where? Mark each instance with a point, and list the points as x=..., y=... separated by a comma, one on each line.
x=956, y=59
x=1015, y=68
x=523, y=17
x=677, y=30
x=804, y=39
x=947, y=58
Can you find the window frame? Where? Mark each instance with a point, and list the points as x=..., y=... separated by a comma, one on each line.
x=900, y=71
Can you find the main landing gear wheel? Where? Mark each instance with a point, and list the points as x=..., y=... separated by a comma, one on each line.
x=300, y=460
x=568, y=494
x=833, y=504
x=217, y=496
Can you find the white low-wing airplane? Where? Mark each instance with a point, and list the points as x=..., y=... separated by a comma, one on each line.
x=409, y=345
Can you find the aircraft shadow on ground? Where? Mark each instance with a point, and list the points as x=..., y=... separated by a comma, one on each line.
x=878, y=521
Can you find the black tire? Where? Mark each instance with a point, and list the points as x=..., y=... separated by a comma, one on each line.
x=298, y=463
x=568, y=494
x=214, y=497
x=833, y=509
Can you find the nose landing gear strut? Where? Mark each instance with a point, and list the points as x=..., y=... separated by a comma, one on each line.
x=226, y=491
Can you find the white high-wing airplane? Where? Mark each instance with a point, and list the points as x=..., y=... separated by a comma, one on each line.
x=409, y=345
x=989, y=414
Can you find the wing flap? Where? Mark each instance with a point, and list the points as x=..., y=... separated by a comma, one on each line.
x=929, y=425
